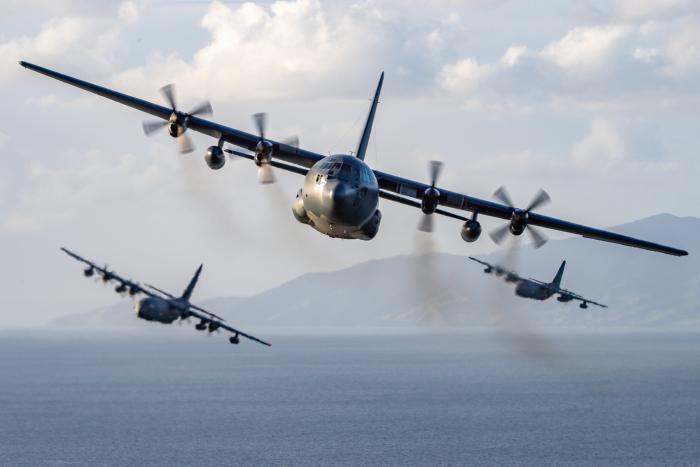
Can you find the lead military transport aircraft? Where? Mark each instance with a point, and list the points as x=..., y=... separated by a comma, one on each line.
x=340, y=194
x=161, y=306
x=538, y=290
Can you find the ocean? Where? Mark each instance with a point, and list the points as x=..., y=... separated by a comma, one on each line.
x=423, y=400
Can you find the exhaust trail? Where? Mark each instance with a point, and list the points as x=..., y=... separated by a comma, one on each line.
x=431, y=293
x=513, y=326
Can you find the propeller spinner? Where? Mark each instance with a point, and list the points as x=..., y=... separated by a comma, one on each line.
x=520, y=217
x=178, y=121
x=431, y=197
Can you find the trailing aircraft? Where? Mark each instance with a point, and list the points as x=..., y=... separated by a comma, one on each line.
x=160, y=306
x=340, y=193
x=535, y=289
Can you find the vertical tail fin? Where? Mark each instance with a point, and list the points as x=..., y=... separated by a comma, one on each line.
x=560, y=273
x=364, y=140
x=190, y=287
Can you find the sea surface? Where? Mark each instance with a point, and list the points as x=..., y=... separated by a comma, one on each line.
x=424, y=400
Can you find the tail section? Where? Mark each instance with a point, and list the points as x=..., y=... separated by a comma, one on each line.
x=190, y=287
x=364, y=140
x=560, y=273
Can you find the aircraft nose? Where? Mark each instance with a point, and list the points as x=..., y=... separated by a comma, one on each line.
x=342, y=194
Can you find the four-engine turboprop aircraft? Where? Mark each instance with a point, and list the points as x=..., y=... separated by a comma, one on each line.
x=161, y=306
x=537, y=290
x=340, y=194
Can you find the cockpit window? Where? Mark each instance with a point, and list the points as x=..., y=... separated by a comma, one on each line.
x=333, y=171
x=367, y=176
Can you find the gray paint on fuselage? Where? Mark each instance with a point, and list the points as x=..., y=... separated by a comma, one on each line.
x=159, y=309
x=530, y=289
x=339, y=197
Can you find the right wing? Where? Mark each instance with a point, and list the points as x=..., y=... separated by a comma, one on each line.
x=511, y=276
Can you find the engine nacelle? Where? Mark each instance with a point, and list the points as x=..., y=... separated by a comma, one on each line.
x=201, y=326
x=89, y=272
x=121, y=288
x=371, y=227
x=518, y=222
x=263, y=152
x=564, y=298
x=174, y=129
x=583, y=305
x=215, y=157
x=234, y=339
x=429, y=203
x=213, y=326
x=471, y=230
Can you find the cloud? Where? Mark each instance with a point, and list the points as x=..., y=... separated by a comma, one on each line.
x=682, y=50
x=86, y=40
x=601, y=148
x=129, y=11
x=464, y=76
x=646, y=8
x=615, y=64
x=584, y=48
x=59, y=193
x=287, y=49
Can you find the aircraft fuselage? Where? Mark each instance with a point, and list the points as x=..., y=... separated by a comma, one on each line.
x=157, y=309
x=529, y=289
x=339, y=198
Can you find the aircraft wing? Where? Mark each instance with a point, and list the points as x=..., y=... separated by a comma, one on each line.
x=511, y=276
x=413, y=189
x=572, y=296
x=394, y=188
x=214, y=324
x=127, y=285
x=231, y=135
x=567, y=294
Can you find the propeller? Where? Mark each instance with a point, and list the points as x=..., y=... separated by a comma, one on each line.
x=519, y=219
x=431, y=197
x=178, y=121
x=262, y=154
x=263, y=150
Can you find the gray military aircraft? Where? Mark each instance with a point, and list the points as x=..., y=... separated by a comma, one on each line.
x=537, y=290
x=161, y=306
x=340, y=194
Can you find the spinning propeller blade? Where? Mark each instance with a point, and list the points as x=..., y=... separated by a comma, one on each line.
x=178, y=120
x=519, y=219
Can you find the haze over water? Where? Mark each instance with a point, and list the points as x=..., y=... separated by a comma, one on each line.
x=409, y=400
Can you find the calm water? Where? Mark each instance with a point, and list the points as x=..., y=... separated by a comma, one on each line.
x=455, y=400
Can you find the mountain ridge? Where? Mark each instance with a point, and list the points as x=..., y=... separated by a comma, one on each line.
x=444, y=291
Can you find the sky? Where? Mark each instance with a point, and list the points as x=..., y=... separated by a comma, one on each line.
x=594, y=101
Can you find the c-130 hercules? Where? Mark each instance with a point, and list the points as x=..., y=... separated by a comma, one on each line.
x=340, y=194
x=535, y=289
x=160, y=306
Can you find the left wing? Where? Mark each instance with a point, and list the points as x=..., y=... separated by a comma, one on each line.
x=214, y=324
x=394, y=188
x=125, y=285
